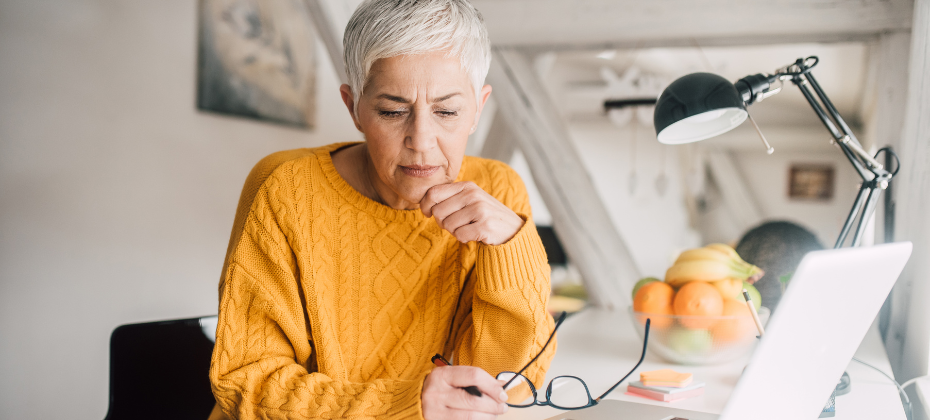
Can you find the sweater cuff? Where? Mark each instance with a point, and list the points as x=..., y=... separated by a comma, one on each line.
x=406, y=404
x=511, y=265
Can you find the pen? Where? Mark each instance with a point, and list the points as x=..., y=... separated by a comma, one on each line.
x=438, y=360
x=755, y=315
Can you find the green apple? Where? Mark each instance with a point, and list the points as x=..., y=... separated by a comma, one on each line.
x=690, y=341
x=753, y=294
x=643, y=282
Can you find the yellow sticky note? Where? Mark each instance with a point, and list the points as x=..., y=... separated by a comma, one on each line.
x=665, y=377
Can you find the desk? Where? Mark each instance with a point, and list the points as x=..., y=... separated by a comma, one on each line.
x=600, y=346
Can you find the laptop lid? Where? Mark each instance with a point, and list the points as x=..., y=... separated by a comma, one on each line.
x=826, y=311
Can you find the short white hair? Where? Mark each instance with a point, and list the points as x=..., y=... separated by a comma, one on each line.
x=389, y=28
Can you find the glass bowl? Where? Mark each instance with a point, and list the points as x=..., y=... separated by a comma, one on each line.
x=699, y=340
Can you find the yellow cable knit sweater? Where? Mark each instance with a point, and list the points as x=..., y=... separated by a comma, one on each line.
x=331, y=304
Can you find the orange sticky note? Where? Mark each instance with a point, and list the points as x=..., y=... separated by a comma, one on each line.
x=665, y=377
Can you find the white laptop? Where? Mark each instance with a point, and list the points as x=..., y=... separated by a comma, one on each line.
x=826, y=311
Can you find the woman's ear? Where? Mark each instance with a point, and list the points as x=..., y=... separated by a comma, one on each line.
x=349, y=100
x=482, y=100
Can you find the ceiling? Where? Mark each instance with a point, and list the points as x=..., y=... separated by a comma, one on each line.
x=574, y=24
x=577, y=85
x=576, y=79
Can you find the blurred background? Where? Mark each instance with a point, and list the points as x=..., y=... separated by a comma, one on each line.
x=119, y=179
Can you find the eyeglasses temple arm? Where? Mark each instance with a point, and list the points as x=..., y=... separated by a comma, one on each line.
x=557, y=324
x=641, y=357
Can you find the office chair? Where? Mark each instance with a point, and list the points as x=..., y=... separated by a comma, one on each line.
x=158, y=370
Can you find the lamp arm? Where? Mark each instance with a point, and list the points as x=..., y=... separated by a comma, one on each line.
x=831, y=127
x=832, y=110
x=875, y=177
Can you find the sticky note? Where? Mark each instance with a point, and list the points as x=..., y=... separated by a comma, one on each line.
x=665, y=377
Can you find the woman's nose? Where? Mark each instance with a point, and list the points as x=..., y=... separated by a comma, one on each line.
x=421, y=133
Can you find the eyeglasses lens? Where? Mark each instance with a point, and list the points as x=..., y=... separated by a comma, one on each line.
x=568, y=392
x=520, y=390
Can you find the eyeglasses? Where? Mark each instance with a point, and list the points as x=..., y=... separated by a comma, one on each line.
x=563, y=392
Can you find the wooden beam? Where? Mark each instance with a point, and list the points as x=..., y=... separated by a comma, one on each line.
x=908, y=341
x=704, y=42
x=736, y=195
x=579, y=216
x=653, y=23
x=883, y=101
x=882, y=110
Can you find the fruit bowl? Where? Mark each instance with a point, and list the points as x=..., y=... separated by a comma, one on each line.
x=699, y=340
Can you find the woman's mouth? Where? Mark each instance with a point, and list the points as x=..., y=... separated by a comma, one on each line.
x=419, y=171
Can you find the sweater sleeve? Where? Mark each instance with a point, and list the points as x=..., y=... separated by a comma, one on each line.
x=261, y=365
x=509, y=321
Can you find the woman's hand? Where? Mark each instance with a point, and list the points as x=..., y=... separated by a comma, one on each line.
x=444, y=398
x=470, y=213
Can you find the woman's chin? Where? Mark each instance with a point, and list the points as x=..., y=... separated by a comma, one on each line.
x=414, y=193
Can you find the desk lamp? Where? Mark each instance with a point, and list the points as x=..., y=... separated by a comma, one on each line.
x=699, y=106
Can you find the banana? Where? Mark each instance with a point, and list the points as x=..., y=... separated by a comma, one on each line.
x=699, y=254
x=699, y=270
x=727, y=250
x=714, y=262
x=755, y=274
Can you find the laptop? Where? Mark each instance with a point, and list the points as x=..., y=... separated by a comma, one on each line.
x=826, y=311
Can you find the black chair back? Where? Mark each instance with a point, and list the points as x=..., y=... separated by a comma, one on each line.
x=158, y=370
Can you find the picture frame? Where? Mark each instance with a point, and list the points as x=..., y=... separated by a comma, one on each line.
x=811, y=181
x=257, y=59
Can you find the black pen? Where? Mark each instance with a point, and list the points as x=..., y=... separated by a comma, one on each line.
x=438, y=360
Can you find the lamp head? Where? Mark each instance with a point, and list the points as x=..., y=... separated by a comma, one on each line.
x=696, y=107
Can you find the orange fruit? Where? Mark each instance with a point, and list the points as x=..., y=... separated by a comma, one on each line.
x=729, y=288
x=735, y=329
x=698, y=299
x=655, y=298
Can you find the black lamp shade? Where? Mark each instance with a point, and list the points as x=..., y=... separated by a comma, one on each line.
x=696, y=107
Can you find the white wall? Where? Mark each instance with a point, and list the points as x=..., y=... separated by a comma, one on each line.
x=116, y=195
x=654, y=226
x=767, y=178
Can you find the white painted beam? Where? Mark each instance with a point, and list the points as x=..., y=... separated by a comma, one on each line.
x=882, y=110
x=330, y=18
x=908, y=338
x=736, y=195
x=499, y=143
x=884, y=98
x=563, y=24
x=579, y=216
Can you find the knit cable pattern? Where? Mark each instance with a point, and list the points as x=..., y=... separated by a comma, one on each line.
x=331, y=304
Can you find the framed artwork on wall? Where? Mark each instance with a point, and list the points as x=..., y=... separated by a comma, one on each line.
x=257, y=59
x=811, y=181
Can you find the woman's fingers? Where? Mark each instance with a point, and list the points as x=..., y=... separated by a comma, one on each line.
x=440, y=193
x=470, y=213
x=444, y=397
x=459, y=399
x=463, y=376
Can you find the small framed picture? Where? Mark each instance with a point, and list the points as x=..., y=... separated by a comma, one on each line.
x=811, y=181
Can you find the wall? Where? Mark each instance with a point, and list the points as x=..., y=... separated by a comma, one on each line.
x=767, y=179
x=654, y=225
x=116, y=195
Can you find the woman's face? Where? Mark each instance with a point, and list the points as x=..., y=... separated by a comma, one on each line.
x=416, y=113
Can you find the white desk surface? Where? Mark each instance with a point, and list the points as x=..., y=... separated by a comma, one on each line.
x=601, y=346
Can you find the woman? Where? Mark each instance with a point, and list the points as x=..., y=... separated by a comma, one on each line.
x=350, y=265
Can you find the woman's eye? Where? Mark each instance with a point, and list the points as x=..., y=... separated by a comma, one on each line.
x=391, y=114
x=447, y=113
